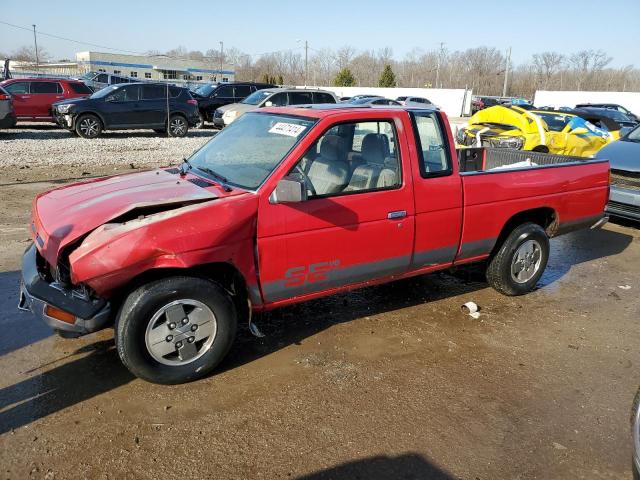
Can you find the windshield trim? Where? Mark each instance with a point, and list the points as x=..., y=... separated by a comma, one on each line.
x=205, y=175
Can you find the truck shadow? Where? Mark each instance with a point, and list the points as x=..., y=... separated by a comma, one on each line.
x=580, y=247
x=409, y=466
x=98, y=371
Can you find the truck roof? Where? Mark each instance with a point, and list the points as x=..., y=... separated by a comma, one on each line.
x=323, y=110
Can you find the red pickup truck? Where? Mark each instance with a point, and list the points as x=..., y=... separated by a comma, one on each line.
x=286, y=205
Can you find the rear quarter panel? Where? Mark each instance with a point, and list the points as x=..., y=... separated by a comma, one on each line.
x=576, y=193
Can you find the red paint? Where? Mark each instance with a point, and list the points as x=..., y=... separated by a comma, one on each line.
x=321, y=246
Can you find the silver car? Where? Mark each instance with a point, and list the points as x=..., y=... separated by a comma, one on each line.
x=7, y=115
x=271, y=97
x=624, y=158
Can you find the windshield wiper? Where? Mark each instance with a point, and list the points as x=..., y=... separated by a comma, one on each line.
x=221, y=179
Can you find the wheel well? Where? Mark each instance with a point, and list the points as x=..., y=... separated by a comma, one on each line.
x=546, y=217
x=225, y=274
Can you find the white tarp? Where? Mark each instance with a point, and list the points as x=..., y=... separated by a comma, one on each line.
x=550, y=98
x=453, y=101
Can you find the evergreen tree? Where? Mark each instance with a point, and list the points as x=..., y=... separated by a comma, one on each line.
x=344, y=78
x=387, y=79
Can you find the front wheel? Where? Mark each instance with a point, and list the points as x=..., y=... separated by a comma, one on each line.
x=178, y=126
x=200, y=123
x=88, y=126
x=520, y=262
x=175, y=330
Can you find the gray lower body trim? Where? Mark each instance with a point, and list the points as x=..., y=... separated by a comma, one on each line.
x=476, y=248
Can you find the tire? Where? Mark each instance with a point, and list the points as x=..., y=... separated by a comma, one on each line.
x=155, y=344
x=178, y=126
x=541, y=149
x=200, y=124
x=88, y=126
x=520, y=261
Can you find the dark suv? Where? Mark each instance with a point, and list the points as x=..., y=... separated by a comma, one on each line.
x=130, y=106
x=213, y=96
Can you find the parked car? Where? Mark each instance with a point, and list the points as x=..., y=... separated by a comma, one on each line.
x=212, y=96
x=98, y=80
x=479, y=103
x=537, y=130
x=611, y=106
x=624, y=158
x=7, y=115
x=287, y=205
x=271, y=97
x=374, y=101
x=622, y=119
x=130, y=106
x=416, y=101
x=33, y=97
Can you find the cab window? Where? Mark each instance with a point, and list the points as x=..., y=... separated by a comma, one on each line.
x=432, y=146
x=351, y=158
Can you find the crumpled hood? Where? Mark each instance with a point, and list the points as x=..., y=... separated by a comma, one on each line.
x=65, y=214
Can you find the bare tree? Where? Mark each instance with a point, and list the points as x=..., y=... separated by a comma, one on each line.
x=547, y=64
x=28, y=54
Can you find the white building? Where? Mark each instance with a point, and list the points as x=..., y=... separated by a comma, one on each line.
x=155, y=67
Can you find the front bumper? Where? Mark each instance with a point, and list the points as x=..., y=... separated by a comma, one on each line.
x=624, y=202
x=36, y=293
x=65, y=121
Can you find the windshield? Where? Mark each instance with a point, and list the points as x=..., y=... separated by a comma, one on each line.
x=555, y=122
x=360, y=101
x=205, y=90
x=613, y=114
x=104, y=91
x=88, y=76
x=634, y=135
x=249, y=149
x=256, y=97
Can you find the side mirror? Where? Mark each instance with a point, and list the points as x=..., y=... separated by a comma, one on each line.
x=289, y=190
x=268, y=104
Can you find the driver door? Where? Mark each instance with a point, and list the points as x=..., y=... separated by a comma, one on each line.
x=357, y=223
x=121, y=107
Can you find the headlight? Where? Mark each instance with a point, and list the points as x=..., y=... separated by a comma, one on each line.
x=64, y=108
x=508, y=142
x=460, y=134
x=231, y=114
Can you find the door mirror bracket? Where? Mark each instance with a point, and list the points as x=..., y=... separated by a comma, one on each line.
x=289, y=190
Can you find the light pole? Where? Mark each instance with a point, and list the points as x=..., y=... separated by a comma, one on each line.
x=35, y=42
x=506, y=73
x=438, y=64
x=221, y=56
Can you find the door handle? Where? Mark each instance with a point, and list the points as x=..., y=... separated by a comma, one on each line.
x=397, y=214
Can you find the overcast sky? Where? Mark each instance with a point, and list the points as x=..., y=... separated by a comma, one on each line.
x=565, y=26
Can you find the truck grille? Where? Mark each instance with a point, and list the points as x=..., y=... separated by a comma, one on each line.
x=625, y=179
x=623, y=207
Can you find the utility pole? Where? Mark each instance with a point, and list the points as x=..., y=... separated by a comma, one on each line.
x=438, y=65
x=221, y=56
x=506, y=73
x=306, y=62
x=35, y=42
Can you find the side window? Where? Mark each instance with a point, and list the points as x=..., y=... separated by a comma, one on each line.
x=300, y=98
x=332, y=167
x=278, y=100
x=102, y=78
x=224, y=92
x=45, y=87
x=432, y=146
x=125, y=94
x=80, y=88
x=18, y=88
x=153, y=92
x=242, y=91
x=321, y=97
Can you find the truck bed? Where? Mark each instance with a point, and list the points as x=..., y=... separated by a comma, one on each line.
x=499, y=184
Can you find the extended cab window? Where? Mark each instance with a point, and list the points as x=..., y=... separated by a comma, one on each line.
x=322, y=97
x=225, y=91
x=242, y=91
x=432, y=146
x=300, y=98
x=351, y=158
x=278, y=100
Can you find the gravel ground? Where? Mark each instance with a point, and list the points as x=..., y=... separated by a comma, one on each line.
x=39, y=147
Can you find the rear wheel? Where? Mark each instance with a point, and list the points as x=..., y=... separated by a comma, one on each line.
x=200, y=123
x=520, y=262
x=88, y=126
x=175, y=330
x=178, y=126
